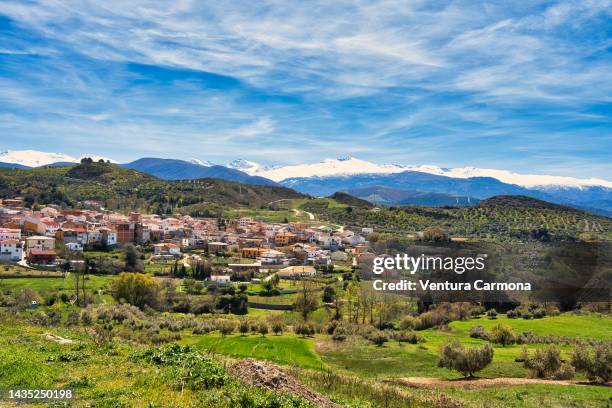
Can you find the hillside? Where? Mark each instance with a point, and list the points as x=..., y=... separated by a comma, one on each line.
x=495, y=219
x=351, y=200
x=117, y=188
x=394, y=196
x=523, y=202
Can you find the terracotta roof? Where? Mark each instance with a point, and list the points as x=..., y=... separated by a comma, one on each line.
x=41, y=252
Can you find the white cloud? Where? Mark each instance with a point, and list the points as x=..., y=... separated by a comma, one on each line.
x=261, y=126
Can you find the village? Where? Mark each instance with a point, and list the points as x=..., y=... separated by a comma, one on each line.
x=41, y=238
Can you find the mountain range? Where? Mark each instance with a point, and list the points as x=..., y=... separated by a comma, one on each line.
x=390, y=184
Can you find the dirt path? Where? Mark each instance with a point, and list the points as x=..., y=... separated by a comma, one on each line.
x=428, y=382
x=300, y=212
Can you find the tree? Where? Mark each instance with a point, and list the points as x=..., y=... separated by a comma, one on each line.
x=467, y=361
x=136, y=289
x=544, y=363
x=132, y=259
x=502, y=334
x=306, y=301
x=595, y=362
x=329, y=294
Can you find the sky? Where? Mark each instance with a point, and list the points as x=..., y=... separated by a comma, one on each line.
x=523, y=86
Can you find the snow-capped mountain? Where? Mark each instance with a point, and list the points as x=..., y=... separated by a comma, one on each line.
x=328, y=167
x=524, y=180
x=36, y=158
x=204, y=163
x=248, y=167
x=352, y=166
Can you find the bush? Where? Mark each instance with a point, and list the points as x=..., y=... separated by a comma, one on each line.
x=278, y=327
x=86, y=317
x=408, y=323
x=492, y=314
x=263, y=329
x=136, y=289
x=512, y=314
x=243, y=327
x=502, y=334
x=226, y=327
x=479, y=332
x=565, y=372
x=595, y=362
x=544, y=363
x=467, y=361
x=378, y=337
x=409, y=336
x=303, y=329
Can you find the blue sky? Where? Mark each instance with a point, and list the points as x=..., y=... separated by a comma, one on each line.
x=524, y=86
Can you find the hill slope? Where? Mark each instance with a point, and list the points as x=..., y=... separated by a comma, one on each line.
x=394, y=196
x=499, y=219
x=118, y=188
x=171, y=169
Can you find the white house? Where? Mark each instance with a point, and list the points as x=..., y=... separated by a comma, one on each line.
x=74, y=246
x=11, y=250
x=221, y=279
x=40, y=242
x=10, y=233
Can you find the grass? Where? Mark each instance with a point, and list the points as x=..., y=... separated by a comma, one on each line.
x=93, y=282
x=369, y=361
x=591, y=325
x=285, y=349
x=537, y=396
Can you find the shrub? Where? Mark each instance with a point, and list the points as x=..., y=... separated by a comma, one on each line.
x=86, y=317
x=408, y=323
x=539, y=313
x=303, y=329
x=467, y=361
x=565, y=372
x=243, y=327
x=479, y=332
x=409, y=336
x=492, y=314
x=263, y=329
x=378, y=337
x=278, y=327
x=226, y=327
x=512, y=314
x=595, y=362
x=544, y=363
x=527, y=315
x=502, y=334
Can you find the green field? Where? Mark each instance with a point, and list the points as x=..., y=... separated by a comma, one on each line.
x=286, y=349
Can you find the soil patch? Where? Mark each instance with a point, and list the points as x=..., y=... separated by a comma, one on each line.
x=272, y=377
x=428, y=382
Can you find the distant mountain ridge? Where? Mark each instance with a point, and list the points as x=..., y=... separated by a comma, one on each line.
x=393, y=196
x=172, y=169
x=421, y=185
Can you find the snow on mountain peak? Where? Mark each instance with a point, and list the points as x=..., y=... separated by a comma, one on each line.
x=327, y=167
x=34, y=158
x=204, y=163
x=351, y=165
x=246, y=166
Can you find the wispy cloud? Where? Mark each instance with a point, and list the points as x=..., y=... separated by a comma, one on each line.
x=379, y=79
